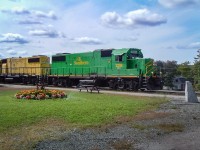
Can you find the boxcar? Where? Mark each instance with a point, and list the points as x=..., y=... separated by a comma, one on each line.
x=24, y=69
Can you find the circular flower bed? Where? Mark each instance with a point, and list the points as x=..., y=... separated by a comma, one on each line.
x=40, y=94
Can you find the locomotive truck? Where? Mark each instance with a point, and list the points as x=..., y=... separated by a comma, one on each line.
x=117, y=68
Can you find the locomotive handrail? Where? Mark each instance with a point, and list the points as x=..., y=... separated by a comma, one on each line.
x=77, y=70
x=25, y=70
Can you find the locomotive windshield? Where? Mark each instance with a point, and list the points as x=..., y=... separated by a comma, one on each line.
x=134, y=54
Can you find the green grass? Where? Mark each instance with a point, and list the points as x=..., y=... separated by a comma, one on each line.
x=80, y=108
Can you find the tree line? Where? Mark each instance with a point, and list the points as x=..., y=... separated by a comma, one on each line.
x=171, y=69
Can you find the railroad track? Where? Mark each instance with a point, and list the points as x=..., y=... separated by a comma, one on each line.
x=162, y=92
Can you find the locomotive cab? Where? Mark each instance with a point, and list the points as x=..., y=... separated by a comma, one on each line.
x=133, y=59
x=130, y=61
x=126, y=58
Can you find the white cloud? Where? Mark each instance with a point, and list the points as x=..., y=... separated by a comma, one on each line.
x=31, y=13
x=128, y=39
x=12, y=52
x=87, y=40
x=17, y=11
x=22, y=53
x=20, y=11
x=41, y=14
x=177, y=3
x=47, y=53
x=46, y=33
x=30, y=21
x=195, y=45
x=140, y=17
x=1, y=55
x=15, y=0
x=5, y=48
x=112, y=18
x=12, y=38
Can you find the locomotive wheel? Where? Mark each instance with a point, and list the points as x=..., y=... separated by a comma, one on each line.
x=64, y=83
x=55, y=82
x=111, y=84
x=135, y=86
x=24, y=80
x=130, y=85
x=60, y=82
x=121, y=85
x=33, y=81
x=69, y=83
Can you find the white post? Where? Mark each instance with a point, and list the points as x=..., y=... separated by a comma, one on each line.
x=190, y=95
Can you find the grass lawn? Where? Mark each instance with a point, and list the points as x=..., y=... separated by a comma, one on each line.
x=30, y=121
x=80, y=108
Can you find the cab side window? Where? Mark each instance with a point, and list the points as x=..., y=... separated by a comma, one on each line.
x=118, y=58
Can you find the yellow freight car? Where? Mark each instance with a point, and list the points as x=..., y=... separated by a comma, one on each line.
x=16, y=65
x=36, y=65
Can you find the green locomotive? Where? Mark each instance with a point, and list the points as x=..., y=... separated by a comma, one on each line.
x=117, y=68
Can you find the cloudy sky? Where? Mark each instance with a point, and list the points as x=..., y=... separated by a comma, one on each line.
x=163, y=29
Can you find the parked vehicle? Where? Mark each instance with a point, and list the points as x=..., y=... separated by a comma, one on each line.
x=179, y=83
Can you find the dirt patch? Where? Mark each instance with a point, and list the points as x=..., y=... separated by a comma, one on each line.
x=10, y=88
x=152, y=115
x=142, y=116
x=174, y=127
x=122, y=144
x=5, y=88
x=25, y=137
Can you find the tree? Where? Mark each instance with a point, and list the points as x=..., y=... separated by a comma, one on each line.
x=185, y=70
x=169, y=70
x=197, y=58
x=159, y=66
x=196, y=71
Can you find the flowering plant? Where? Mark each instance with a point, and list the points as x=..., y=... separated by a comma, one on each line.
x=40, y=94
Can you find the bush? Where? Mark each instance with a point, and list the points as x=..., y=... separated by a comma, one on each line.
x=40, y=94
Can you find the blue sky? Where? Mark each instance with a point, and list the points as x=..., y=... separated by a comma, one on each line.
x=163, y=29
